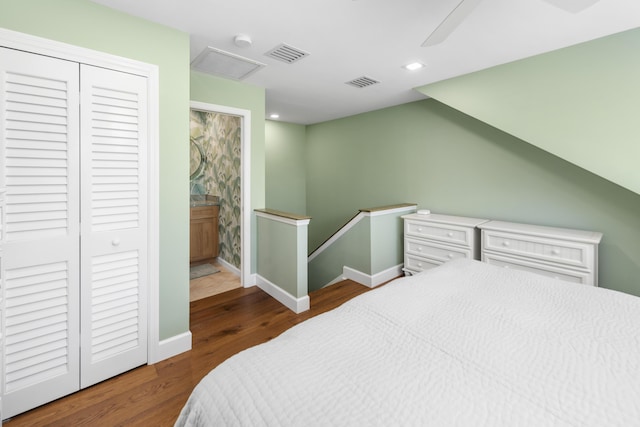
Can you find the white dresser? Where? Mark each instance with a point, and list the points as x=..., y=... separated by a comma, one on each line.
x=566, y=254
x=433, y=239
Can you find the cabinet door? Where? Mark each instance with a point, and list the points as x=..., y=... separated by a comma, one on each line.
x=114, y=223
x=196, y=235
x=39, y=167
x=203, y=239
x=209, y=241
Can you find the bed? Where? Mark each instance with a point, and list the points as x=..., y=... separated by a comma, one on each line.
x=463, y=344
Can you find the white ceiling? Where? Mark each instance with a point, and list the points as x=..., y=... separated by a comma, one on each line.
x=347, y=39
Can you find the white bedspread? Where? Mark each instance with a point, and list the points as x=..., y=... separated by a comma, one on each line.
x=465, y=344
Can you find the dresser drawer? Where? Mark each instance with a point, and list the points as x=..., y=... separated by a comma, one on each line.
x=545, y=270
x=204, y=212
x=573, y=254
x=416, y=264
x=444, y=233
x=432, y=250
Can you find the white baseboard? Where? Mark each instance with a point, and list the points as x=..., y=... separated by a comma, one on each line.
x=248, y=281
x=297, y=305
x=232, y=268
x=375, y=280
x=172, y=347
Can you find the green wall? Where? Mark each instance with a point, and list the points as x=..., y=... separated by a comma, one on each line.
x=387, y=241
x=282, y=256
x=430, y=154
x=285, y=167
x=86, y=24
x=352, y=249
x=229, y=93
x=581, y=103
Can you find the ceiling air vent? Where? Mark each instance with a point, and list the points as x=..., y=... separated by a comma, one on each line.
x=286, y=53
x=225, y=64
x=363, y=81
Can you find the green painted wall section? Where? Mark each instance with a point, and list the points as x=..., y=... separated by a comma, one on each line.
x=431, y=154
x=581, y=103
x=89, y=25
x=387, y=241
x=371, y=246
x=282, y=256
x=351, y=249
x=285, y=147
x=229, y=93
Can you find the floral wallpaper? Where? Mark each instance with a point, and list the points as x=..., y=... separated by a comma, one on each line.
x=216, y=141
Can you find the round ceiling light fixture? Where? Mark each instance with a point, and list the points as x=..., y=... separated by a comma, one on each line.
x=242, y=40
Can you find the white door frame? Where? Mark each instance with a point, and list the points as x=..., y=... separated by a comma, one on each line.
x=42, y=46
x=245, y=179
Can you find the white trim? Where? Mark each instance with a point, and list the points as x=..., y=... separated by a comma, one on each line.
x=245, y=198
x=391, y=211
x=375, y=280
x=42, y=46
x=56, y=49
x=249, y=281
x=348, y=226
x=289, y=221
x=297, y=305
x=153, y=220
x=232, y=268
x=175, y=345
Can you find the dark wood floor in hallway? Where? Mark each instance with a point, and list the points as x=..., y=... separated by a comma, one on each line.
x=222, y=325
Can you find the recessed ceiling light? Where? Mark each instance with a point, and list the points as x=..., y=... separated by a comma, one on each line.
x=414, y=66
x=274, y=116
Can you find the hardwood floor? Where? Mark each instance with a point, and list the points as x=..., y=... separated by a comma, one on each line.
x=222, y=325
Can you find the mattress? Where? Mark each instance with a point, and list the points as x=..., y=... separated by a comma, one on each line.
x=464, y=344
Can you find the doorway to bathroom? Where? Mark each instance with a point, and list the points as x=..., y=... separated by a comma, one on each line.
x=218, y=188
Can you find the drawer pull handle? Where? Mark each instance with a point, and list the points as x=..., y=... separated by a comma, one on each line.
x=419, y=248
x=506, y=244
x=556, y=251
x=115, y=242
x=449, y=234
x=419, y=264
x=419, y=228
x=450, y=256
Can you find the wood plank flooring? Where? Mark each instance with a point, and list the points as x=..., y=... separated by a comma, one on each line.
x=222, y=325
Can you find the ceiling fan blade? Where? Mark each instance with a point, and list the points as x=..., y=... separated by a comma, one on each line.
x=573, y=6
x=451, y=22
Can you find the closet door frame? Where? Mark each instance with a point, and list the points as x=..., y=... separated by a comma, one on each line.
x=42, y=46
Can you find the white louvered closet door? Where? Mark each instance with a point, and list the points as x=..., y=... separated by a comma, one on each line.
x=73, y=149
x=114, y=223
x=39, y=161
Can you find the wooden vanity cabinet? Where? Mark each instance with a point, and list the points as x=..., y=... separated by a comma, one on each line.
x=203, y=233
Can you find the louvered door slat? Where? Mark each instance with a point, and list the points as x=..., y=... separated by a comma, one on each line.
x=39, y=165
x=36, y=151
x=114, y=224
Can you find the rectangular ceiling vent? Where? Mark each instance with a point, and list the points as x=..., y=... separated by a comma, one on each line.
x=225, y=64
x=363, y=81
x=286, y=53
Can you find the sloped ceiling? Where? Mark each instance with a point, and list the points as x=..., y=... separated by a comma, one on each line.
x=581, y=103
